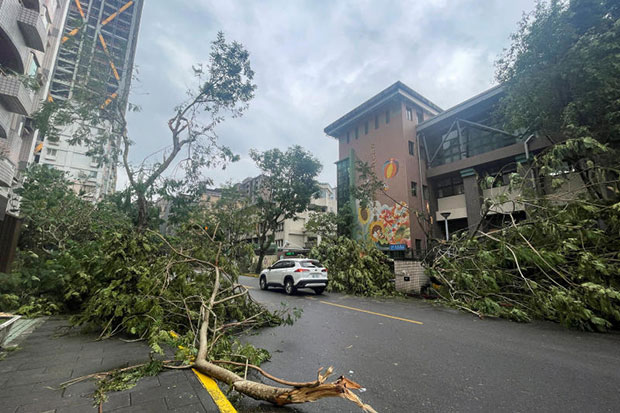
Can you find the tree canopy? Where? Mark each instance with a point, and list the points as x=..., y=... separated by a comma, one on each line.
x=561, y=73
x=287, y=187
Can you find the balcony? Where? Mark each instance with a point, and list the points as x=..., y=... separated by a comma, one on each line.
x=454, y=204
x=14, y=95
x=7, y=171
x=33, y=29
x=510, y=197
x=5, y=123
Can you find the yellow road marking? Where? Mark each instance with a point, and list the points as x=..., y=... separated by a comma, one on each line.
x=248, y=287
x=216, y=394
x=309, y=298
x=373, y=313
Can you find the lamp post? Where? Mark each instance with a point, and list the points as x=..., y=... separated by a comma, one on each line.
x=445, y=216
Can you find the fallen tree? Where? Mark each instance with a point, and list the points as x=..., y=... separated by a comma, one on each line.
x=207, y=326
x=295, y=393
x=178, y=293
x=355, y=267
x=561, y=263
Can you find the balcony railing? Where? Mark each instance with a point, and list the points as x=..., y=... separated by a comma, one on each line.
x=14, y=95
x=33, y=29
x=7, y=171
x=5, y=123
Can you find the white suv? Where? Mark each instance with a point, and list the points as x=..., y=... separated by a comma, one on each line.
x=295, y=273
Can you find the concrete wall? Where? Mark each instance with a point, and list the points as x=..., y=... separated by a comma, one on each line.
x=506, y=207
x=455, y=205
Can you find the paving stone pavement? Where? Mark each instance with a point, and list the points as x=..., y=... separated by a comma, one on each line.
x=53, y=353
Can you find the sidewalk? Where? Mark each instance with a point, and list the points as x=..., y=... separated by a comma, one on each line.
x=54, y=353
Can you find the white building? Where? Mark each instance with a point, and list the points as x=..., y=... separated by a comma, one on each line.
x=292, y=233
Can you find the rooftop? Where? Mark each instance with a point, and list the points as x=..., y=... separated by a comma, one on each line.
x=464, y=109
x=398, y=89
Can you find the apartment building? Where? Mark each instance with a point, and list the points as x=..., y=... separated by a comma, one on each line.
x=442, y=156
x=29, y=39
x=99, y=39
x=291, y=234
x=250, y=187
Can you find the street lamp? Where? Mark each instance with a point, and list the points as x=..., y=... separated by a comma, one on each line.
x=445, y=216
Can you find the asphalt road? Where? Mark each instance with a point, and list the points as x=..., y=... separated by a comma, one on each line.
x=451, y=362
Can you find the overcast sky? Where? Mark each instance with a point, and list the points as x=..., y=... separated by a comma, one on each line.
x=314, y=61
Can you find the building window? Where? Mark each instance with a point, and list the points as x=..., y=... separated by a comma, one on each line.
x=366, y=128
x=411, y=148
x=348, y=137
x=449, y=187
x=418, y=245
x=414, y=188
x=420, y=116
x=425, y=193
x=51, y=153
x=280, y=227
x=376, y=121
x=409, y=114
x=387, y=116
x=342, y=179
x=34, y=66
x=92, y=175
x=357, y=132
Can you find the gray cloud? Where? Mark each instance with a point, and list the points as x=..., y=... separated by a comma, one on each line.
x=314, y=61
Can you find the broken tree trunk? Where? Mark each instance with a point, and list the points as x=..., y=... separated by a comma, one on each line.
x=306, y=392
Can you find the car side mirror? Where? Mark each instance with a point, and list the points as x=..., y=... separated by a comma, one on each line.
x=269, y=268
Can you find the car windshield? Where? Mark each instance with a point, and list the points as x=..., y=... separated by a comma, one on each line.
x=311, y=264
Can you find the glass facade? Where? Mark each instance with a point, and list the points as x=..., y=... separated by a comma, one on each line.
x=450, y=186
x=342, y=178
x=471, y=142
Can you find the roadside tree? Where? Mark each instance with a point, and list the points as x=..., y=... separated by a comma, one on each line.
x=288, y=185
x=224, y=88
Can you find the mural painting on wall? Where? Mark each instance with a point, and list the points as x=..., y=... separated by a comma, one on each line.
x=390, y=168
x=384, y=224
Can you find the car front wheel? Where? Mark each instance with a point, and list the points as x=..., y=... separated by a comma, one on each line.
x=262, y=282
x=289, y=288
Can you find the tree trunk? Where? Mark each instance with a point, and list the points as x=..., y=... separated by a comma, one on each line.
x=143, y=210
x=261, y=256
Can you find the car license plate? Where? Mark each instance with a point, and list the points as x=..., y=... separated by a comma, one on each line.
x=316, y=275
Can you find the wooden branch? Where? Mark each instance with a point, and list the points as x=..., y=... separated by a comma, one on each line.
x=269, y=376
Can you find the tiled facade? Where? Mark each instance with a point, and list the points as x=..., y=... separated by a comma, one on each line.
x=29, y=39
